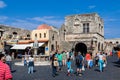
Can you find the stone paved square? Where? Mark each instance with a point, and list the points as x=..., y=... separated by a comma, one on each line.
x=111, y=72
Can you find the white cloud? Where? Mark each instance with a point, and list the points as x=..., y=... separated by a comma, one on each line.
x=3, y=18
x=51, y=20
x=24, y=24
x=48, y=17
x=31, y=23
x=91, y=6
x=2, y=4
x=110, y=19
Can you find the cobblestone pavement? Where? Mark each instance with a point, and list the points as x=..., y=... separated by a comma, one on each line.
x=111, y=72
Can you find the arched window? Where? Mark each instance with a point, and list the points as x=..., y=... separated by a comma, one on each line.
x=99, y=27
x=76, y=22
x=14, y=33
x=99, y=46
x=53, y=37
x=117, y=42
x=52, y=47
x=10, y=36
x=40, y=35
x=44, y=35
x=28, y=35
x=35, y=35
x=110, y=42
x=102, y=46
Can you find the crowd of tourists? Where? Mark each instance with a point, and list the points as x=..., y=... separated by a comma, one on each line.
x=58, y=61
x=65, y=59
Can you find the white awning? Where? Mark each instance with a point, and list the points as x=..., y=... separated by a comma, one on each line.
x=40, y=44
x=21, y=46
x=24, y=46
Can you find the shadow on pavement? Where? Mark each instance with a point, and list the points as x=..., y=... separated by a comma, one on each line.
x=117, y=66
x=117, y=63
x=13, y=71
x=97, y=70
x=34, y=71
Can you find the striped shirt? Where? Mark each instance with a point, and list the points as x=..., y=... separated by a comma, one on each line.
x=5, y=72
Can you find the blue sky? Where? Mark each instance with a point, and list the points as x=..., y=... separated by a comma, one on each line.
x=28, y=14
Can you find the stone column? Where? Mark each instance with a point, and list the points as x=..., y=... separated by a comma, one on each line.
x=35, y=46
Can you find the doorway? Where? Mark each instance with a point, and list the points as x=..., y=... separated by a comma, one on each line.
x=81, y=47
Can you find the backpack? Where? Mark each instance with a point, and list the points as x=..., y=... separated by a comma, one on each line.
x=91, y=64
x=96, y=58
x=79, y=59
x=70, y=54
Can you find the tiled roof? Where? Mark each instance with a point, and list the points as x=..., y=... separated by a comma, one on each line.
x=31, y=41
x=43, y=26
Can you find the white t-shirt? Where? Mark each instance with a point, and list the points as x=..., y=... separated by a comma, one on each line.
x=67, y=54
x=100, y=57
x=8, y=58
x=31, y=59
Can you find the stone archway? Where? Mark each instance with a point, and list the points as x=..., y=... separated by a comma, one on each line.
x=102, y=47
x=99, y=46
x=81, y=47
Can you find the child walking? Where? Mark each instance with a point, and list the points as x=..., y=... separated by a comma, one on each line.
x=69, y=69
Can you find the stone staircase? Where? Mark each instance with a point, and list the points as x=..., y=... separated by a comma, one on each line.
x=37, y=63
x=65, y=46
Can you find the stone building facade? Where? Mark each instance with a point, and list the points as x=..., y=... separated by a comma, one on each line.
x=12, y=32
x=80, y=32
x=49, y=36
x=83, y=32
x=12, y=35
x=110, y=44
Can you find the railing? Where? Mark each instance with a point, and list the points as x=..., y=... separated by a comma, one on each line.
x=36, y=57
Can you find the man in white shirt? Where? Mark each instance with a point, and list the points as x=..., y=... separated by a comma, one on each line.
x=9, y=61
x=67, y=54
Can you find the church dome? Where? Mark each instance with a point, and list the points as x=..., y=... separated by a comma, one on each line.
x=44, y=26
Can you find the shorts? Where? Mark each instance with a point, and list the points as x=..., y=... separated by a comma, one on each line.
x=79, y=66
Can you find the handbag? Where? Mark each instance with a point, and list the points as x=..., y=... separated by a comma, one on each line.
x=83, y=68
x=55, y=63
x=104, y=65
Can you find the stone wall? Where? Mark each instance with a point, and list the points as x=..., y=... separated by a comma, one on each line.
x=73, y=30
x=8, y=30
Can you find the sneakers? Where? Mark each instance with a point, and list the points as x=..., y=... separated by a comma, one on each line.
x=68, y=74
x=80, y=74
x=56, y=74
x=53, y=75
